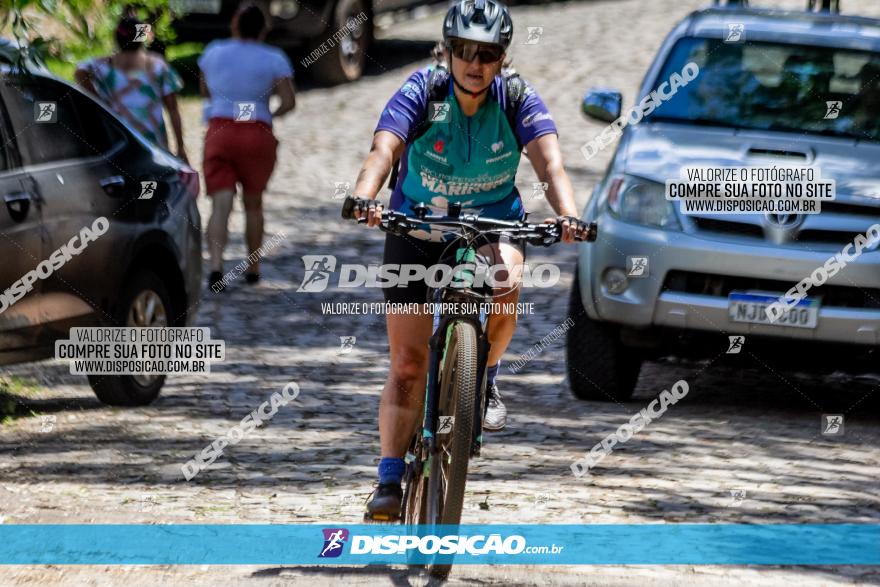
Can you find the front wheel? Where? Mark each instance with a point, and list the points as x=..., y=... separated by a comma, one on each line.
x=435, y=488
x=458, y=389
x=600, y=367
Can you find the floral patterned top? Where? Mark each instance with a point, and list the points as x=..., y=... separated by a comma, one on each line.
x=136, y=95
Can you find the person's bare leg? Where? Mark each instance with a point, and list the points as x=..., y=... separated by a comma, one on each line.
x=253, y=228
x=400, y=407
x=502, y=325
x=218, y=227
x=403, y=394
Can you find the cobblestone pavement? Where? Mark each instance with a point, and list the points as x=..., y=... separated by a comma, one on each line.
x=755, y=432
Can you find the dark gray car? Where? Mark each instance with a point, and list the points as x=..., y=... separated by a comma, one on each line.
x=65, y=163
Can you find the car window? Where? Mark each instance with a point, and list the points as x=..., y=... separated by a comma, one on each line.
x=52, y=122
x=100, y=131
x=776, y=86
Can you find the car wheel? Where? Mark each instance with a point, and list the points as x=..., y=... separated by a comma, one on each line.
x=345, y=60
x=145, y=302
x=599, y=366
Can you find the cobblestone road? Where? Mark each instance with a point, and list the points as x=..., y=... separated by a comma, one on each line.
x=755, y=432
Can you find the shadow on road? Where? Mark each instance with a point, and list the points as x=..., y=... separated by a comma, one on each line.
x=395, y=576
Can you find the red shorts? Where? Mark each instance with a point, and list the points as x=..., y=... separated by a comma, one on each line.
x=238, y=152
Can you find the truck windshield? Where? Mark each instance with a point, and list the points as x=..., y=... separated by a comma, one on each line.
x=775, y=86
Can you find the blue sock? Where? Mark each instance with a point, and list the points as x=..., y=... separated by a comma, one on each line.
x=391, y=470
x=491, y=372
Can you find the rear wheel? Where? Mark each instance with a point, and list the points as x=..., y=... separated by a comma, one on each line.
x=415, y=501
x=144, y=303
x=600, y=367
x=345, y=60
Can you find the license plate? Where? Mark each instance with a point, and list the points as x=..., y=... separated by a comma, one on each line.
x=197, y=6
x=751, y=308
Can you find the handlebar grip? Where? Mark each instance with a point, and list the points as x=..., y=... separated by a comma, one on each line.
x=592, y=232
x=348, y=207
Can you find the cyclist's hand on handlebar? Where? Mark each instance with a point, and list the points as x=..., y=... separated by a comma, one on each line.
x=580, y=230
x=372, y=212
x=572, y=229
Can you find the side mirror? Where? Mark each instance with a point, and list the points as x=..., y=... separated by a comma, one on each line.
x=602, y=104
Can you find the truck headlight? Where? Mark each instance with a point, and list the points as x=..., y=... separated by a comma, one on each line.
x=642, y=201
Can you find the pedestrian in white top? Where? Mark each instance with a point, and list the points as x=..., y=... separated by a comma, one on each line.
x=239, y=75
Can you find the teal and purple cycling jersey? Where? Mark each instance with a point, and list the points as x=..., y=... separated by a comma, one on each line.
x=472, y=160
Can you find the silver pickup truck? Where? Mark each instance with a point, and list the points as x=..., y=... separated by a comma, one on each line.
x=774, y=88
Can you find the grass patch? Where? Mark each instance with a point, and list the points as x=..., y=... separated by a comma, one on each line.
x=183, y=50
x=12, y=391
x=187, y=66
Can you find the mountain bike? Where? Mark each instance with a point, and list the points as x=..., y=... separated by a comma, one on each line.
x=455, y=394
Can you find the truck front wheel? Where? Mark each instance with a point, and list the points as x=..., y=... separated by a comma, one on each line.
x=600, y=368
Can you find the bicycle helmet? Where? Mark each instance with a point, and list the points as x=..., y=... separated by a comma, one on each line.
x=482, y=21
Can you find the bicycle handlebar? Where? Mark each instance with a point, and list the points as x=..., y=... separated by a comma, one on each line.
x=544, y=234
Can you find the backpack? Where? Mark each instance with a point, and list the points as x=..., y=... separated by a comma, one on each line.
x=438, y=89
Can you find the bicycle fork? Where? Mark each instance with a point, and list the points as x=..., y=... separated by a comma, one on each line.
x=437, y=344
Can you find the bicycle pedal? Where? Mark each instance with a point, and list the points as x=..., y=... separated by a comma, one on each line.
x=380, y=518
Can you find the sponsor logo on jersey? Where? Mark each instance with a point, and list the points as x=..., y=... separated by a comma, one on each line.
x=460, y=188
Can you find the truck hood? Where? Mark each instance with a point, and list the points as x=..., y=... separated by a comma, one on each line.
x=658, y=151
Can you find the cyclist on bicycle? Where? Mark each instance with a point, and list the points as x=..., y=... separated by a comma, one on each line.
x=458, y=137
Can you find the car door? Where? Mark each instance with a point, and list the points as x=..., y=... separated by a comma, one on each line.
x=21, y=249
x=69, y=157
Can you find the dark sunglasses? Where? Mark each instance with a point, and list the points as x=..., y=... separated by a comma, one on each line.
x=467, y=51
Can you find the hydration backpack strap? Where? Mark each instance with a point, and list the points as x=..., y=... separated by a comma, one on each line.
x=438, y=88
x=516, y=91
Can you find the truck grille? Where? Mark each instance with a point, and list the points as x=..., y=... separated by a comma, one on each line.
x=728, y=227
x=838, y=207
x=712, y=284
x=837, y=225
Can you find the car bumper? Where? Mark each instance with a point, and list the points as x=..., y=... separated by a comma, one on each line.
x=646, y=303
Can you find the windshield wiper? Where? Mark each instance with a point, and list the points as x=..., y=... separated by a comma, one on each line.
x=825, y=132
x=695, y=121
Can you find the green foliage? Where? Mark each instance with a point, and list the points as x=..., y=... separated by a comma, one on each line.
x=14, y=392
x=88, y=25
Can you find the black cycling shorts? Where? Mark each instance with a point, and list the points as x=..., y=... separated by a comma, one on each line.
x=406, y=250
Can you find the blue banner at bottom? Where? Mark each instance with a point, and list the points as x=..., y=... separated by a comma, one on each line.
x=647, y=544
